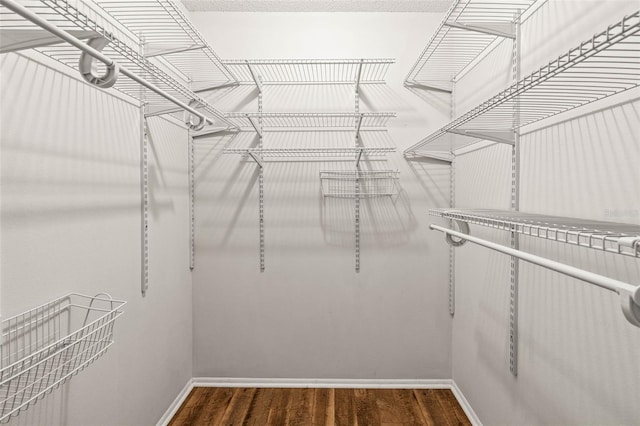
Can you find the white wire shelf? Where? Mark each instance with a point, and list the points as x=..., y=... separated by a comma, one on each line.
x=312, y=152
x=169, y=34
x=467, y=29
x=611, y=237
x=606, y=64
x=359, y=183
x=279, y=120
x=310, y=71
x=44, y=347
x=81, y=18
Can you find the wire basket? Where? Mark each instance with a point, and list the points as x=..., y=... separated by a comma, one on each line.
x=44, y=347
x=348, y=184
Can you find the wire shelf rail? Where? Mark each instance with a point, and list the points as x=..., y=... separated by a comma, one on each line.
x=311, y=71
x=342, y=184
x=169, y=34
x=44, y=347
x=121, y=48
x=310, y=120
x=467, y=29
x=606, y=64
x=611, y=237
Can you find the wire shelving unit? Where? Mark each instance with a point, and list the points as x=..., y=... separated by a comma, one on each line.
x=44, y=347
x=467, y=29
x=611, y=237
x=304, y=120
x=168, y=34
x=123, y=48
x=606, y=64
x=312, y=152
x=311, y=71
x=367, y=126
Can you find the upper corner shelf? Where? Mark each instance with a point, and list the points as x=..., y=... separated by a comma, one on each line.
x=167, y=33
x=83, y=20
x=467, y=29
x=604, y=65
x=611, y=237
x=310, y=71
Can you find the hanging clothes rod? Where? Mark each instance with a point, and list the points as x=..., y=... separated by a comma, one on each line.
x=629, y=293
x=89, y=50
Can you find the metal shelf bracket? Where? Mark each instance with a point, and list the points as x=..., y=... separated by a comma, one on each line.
x=255, y=76
x=256, y=158
x=500, y=29
x=500, y=136
x=630, y=303
x=358, y=77
x=86, y=65
x=256, y=125
x=426, y=87
x=464, y=228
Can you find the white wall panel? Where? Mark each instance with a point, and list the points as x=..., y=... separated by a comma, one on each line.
x=577, y=353
x=309, y=315
x=71, y=222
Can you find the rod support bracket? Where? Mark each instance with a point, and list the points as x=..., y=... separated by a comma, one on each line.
x=189, y=120
x=464, y=228
x=630, y=303
x=87, y=65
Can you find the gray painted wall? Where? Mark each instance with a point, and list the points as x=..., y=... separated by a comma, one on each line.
x=577, y=354
x=309, y=315
x=71, y=223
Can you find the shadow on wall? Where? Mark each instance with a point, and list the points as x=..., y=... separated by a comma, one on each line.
x=386, y=221
x=82, y=163
x=228, y=192
x=242, y=98
x=441, y=101
x=565, y=327
x=434, y=178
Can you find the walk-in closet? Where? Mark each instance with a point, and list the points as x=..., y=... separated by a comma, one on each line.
x=319, y=212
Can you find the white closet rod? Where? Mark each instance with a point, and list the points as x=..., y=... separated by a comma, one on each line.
x=630, y=294
x=44, y=24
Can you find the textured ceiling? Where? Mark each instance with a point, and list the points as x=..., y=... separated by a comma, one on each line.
x=317, y=5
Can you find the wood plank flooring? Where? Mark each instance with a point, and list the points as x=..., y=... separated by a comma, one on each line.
x=315, y=407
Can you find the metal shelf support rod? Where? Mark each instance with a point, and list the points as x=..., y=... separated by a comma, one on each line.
x=631, y=307
x=256, y=159
x=255, y=125
x=46, y=25
x=358, y=157
x=426, y=87
x=359, y=74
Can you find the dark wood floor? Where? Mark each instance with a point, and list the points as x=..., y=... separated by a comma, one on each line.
x=306, y=407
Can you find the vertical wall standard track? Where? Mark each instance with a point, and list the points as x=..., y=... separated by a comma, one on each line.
x=144, y=188
x=515, y=206
x=192, y=203
x=357, y=167
x=261, y=184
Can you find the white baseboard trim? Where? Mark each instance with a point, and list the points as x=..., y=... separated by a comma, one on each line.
x=466, y=407
x=175, y=405
x=318, y=383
